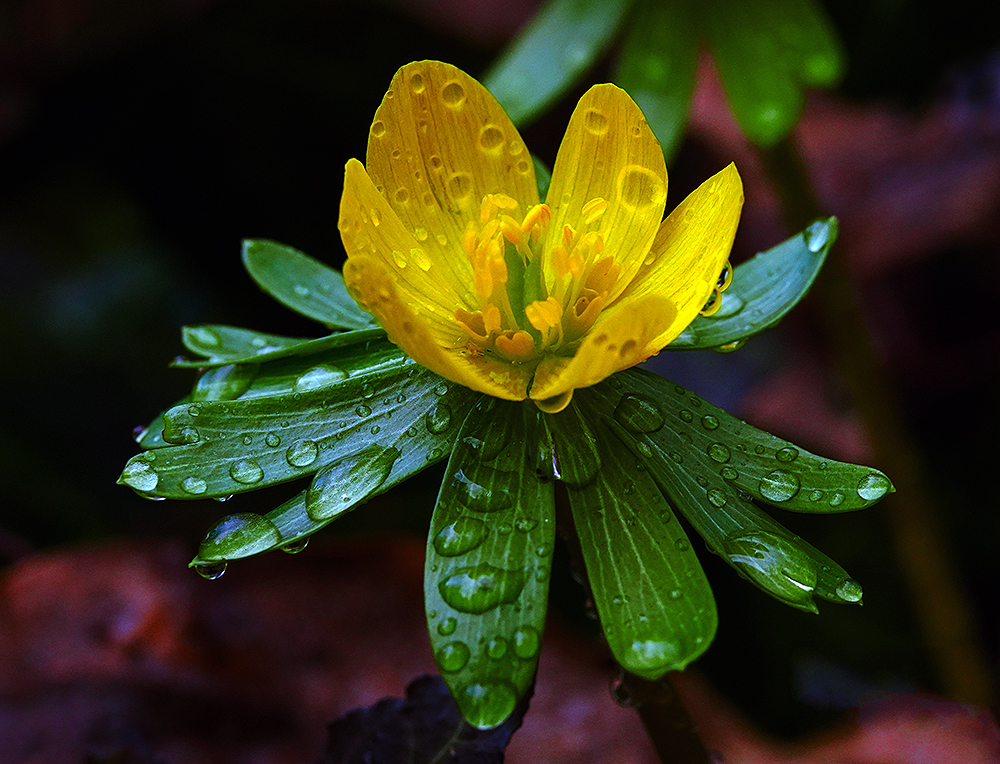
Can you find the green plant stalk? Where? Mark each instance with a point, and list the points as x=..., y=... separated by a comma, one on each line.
x=942, y=609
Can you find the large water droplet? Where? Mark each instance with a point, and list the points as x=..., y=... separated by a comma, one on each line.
x=210, y=570
x=639, y=414
x=345, y=482
x=224, y=383
x=323, y=375
x=453, y=95
x=478, y=497
x=651, y=655
x=453, y=657
x=719, y=452
x=640, y=188
x=194, y=486
x=787, y=454
x=873, y=486
x=731, y=305
x=487, y=704
x=850, y=590
x=302, y=453
x=595, y=122
x=246, y=471
x=139, y=475
x=459, y=537
x=480, y=588
x=491, y=138
x=779, y=486
x=816, y=236
x=438, y=419
x=239, y=535
x=775, y=563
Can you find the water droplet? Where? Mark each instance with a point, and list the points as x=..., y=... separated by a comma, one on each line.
x=459, y=537
x=453, y=95
x=378, y=129
x=453, y=657
x=686, y=416
x=487, y=704
x=496, y=648
x=676, y=594
x=478, y=497
x=731, y=305
x=787, y=454
x=640, y=188
x=297, y=546
x=639, y=414
x=343, y=483
x=644, y=450
x=481, y=588
x=817, y=235
x=526, y=524
x=239, y=535
x=527, y=642
x=272, y=439
x=367, y=390
x=779, y=486
x=595, y=122
x=460, y=186
x=210, y=570
x=709, y=422
x=247, y=440
x=816, y=495
x=363, y=410
x=873, y=486
x=716, y=497
x=140, y=476
x=302, y=453
x=441, y=389
x=194, y=486
x=417, y=83
x=775, y=563
x=837, y=499
x=676, y=457
x=224, y=383
x=246, y=471
x=682, y=544
x=438, y=419
x=491, y=138
x=849, y=590
x=447, y=627
x=719, y=452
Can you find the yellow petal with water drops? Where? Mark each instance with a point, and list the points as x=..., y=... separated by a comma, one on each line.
x=617, y=341
x=439, y=143
x=444, y=353
x=689, y=252
x=370, y=228
x=610, y=154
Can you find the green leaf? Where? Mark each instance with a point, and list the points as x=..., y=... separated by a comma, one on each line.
x=303, y=284
x=763, y=290
x=557, y=47
x=229, y=446
x=706, y=440
x=657, y=67
x=223, y=345
x=543, y=176
x=489, y=552
x=652, y=597
x=809, y=41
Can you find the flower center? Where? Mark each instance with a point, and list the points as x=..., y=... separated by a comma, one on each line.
x=538, y=294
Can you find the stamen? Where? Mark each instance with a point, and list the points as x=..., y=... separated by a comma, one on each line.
x=517, y=346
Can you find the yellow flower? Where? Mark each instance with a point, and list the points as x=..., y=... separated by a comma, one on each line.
x=451, y=250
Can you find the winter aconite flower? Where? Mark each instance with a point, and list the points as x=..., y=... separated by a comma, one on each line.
x=477, y=279
x=508, y=329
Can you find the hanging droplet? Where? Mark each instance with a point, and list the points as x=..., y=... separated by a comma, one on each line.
x=487, y=704
x=210, y=570
x=294, y=547
x=817, y=235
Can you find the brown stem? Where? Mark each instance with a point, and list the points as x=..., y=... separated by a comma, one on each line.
x=942, y=609
x=671, y=731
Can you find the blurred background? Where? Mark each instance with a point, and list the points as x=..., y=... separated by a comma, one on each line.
x=141, y=142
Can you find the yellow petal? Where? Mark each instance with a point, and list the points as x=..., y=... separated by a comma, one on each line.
x=439, y=143
x=376, y=291
x=616, y=342
x=609, y=153
x=689, y=252
x=370, y=228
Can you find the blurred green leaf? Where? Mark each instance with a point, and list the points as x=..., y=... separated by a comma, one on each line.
x=303, y=284
x=657, y=66
x=560, y=44
x=654, y=602
x=489, y=552
x=223, y=345
x=763, y=290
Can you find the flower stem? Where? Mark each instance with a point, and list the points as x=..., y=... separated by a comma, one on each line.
x=939, y=601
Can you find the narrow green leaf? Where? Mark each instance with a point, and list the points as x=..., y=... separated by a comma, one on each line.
x=226, y=447
x=223, y=345
x=657, y=67
x=706, y=440
x=763, y=290
x=489, y=553
x=303, y=284
x=557, y=47
x=810, y=43
x=654, y=602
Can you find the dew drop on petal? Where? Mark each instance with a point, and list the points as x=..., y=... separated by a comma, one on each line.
x=453, y=95
x=595, y=122
x=460, y=186
x=417, y=83
x=640, y=188
x=378, y=129
x=491, y=138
